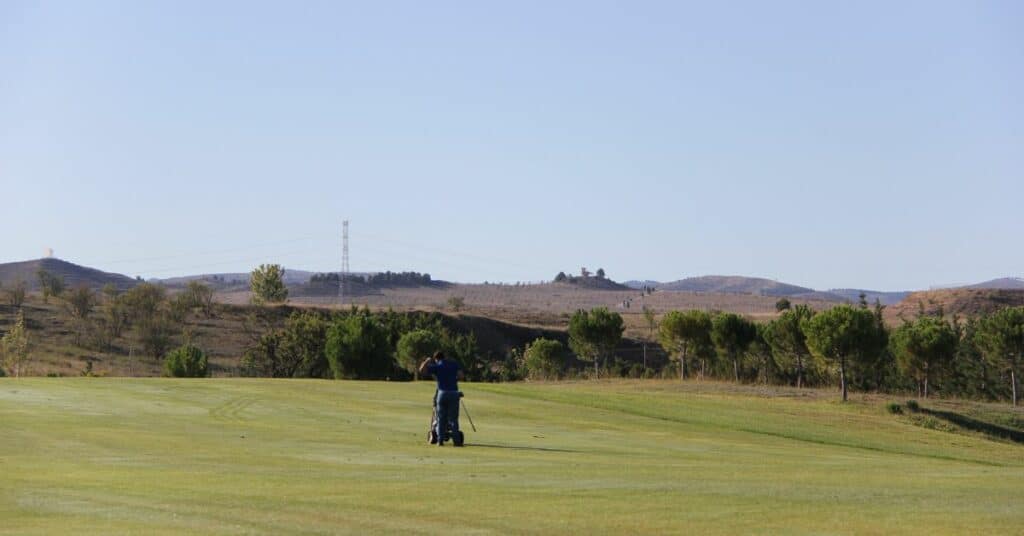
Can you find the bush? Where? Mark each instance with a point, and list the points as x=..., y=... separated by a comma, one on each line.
x=415, y=346
x=186, y=362
x=456, y=303
x=912, y=405
x=267, y=284
x=544, y=359
x=894, y=408
x=357, y=348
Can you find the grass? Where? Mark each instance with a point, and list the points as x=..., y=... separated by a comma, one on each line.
x=231, y=456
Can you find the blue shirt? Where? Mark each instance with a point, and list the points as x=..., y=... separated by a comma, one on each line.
x=446, y=371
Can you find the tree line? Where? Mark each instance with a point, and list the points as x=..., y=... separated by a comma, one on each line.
x=848, y=346
x=382, y=279
x=357, y=344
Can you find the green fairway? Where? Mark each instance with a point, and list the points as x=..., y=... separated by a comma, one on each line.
x=152, y=456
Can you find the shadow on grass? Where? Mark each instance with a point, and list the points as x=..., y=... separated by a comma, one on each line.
x=511, y=447
x=989, y=429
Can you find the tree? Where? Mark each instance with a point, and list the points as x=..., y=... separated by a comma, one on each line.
x=199, y=295
x=972, y=375
x=14, y=348
x=782, y=304
x=924, y=348
x=561, y=277
x=732, y=335
x=600, y=273
x=16, y=294
x=52, y=285
x=544, y=359
x=80, y=302
x=143, y=301
x=843, y=334
x=414, y=346
x=595, y=334
x=788, y=343
x=1001, y=339
x=682, y=332
x=303, y=346
x=267, y=284
x=761, y=352
x=186, y=362
x=115, y=316
x=110, y=292
x=652, y=323
x=155, y=334
x=357, y=347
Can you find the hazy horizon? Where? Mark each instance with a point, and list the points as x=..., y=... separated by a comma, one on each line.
x=874, y=146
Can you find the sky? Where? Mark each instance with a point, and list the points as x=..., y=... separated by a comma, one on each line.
x=828, y=144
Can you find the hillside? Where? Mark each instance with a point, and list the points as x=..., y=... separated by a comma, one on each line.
x=1006, y=283
x=227, y=334
x=853, y=295
x=73, y=274
x=235, y=456
x=963, y=302
x=593, y=283
x=735, y=285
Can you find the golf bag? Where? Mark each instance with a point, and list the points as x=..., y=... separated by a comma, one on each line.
x=458, y=438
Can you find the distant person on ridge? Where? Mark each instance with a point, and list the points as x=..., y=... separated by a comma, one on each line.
x=448, y=373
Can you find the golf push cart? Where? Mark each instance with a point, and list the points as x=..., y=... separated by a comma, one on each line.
x=458, y=438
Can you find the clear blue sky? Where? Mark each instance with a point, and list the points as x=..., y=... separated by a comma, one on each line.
x=828, y=144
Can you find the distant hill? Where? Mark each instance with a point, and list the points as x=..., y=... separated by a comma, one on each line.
x=639, y=284
x=73, y=274
x=593, y=283
x=735, y=285
x=959, y=301
x=853, y=295
x=1001, y=283
x=291, y=277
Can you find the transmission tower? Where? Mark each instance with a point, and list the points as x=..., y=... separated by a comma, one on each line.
x=343, y=276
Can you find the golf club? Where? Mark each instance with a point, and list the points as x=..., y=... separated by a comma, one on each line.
x=468, y=416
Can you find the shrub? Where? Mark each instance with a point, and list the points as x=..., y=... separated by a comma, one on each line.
x=357, y=347
x=894, y=408
x=414, y=346
x=186, y=362
x=16, y=294
x=912, y=405
x=267, y=284
x=544, y=359
x=456, y=303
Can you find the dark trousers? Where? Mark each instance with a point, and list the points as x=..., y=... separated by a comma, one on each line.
x=447, y=413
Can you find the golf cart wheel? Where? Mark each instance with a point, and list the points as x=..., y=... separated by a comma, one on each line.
x=458, y=438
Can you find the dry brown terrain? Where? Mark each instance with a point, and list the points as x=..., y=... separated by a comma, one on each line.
x=960, y=301
x=551, y=304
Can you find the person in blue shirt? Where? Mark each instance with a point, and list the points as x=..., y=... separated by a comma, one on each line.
x=448, y=372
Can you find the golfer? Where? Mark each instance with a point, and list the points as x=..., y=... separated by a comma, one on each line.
x=448, y=373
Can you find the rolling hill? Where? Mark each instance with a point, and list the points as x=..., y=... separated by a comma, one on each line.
x=735, y=285
x=958, y=301
x=73, y=274
x=853, y=295
x=1010, y=283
